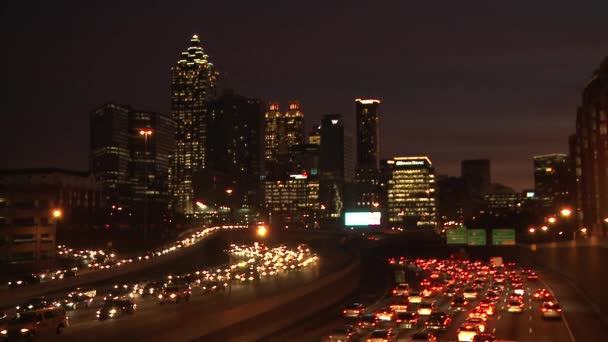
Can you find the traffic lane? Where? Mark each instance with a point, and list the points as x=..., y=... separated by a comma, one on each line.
x=579, y=314
x=153, y=320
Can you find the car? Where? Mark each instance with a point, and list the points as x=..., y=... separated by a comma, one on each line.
x=213, y=286
x=519, y=290
x=483, y=338
x=467, y=332
x=345, y=334
x=118, y=292
x=478, y=313
x=152, y=289
x=479, y=323
x=515, y=305
x=399, y=304
x=353, y=310
x=492, y=296
x=367, y=321
x=37, y=323
x=425, y=309
x=116, y=308
x=438, y=321
x=414, y=297
x=401, y=290
x=532, y=276
x=486, y=305
x=423, y=336
x=542, y=294
x=35, y=304
x=499, y=279
x=74, y=301
x=459, y=303
x=174, y=293
x=407, y=320
x=551, y=310
x=383, y=335
x=469, y=293
x=385, y=314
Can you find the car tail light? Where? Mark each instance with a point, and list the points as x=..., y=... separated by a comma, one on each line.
x=398, y=321
x=544, y=309
x=559, y=310
x=344, y=312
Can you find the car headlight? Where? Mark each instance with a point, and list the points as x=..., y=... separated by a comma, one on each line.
x=4, y=332
x=24, y=330
x=173, y=295
x=160, y=296
x=98, y=312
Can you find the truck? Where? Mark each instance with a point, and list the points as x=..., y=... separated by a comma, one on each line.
x=496, y=261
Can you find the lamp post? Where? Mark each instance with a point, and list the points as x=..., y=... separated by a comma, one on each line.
x=145, y=133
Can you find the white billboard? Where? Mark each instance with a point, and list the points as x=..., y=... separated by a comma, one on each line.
x=362, y=218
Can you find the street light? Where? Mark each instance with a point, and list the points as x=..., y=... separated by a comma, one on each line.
x=544, y=228
x=551, y=219
x=146, y=133
x=262, y=231
x=57, y=213
x=532, y=230
x=565, y=212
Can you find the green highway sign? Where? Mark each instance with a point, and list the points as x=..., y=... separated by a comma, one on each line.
x=476, y=237
x=456, y=236
x=502, y=237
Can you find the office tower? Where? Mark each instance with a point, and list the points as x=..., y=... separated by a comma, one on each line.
x=273, y=122
x=193, y=81
x=293, y=201
x=282, y=131
x=477, y=177
x=109, y=127
x=551, y=180
x=315, y=135
x=130, y=166
x=151, y=142
x=451, y=197
x=235, y=145
x=592, y=152
x=292, y=132
x=332, y=165
x=304, y=159
x=368, y=152
x=411, y=193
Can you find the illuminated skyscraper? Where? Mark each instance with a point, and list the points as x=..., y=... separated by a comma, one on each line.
x=273, y=118
x=315, y=135
x=411, y=192
x=293, y=128
x=193, y=82
x=368, y=153
x=282, y=131
x=551, y=179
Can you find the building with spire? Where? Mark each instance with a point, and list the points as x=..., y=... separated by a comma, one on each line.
x=193, y=82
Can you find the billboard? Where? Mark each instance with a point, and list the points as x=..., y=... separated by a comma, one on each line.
x=362, y=218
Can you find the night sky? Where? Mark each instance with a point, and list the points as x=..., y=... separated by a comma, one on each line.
x=457, y=79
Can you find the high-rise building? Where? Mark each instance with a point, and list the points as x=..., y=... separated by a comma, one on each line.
x=193, y=81
x=110, y=155
x=411, y=193
x=293, y=201
x=477, y=177
x=272, y=131
x=282, y=131
x=132, y=167
x=315, y=135
x=368, y=153
x=292, y=132
x=551, y=179
x=332, y=165
x=235, y=145
x=592, y=152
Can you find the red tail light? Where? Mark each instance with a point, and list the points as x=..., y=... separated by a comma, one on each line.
x=544, y=309
x=398, y=321
x=559, y=310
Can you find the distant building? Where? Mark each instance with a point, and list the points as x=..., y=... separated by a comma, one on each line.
x=451, y=198
x=504, y=202
x=315, y=135
x=293, y=202
x=332, y=165
x=292, y=132
x=411, y=193
x=29, y=230
x=551, y=180
x=477, y=177
x=368, y=152
x=592, y=152
x=235, y=146
x=282, y=131
x=193, y=82
x=272, y=128
x=130, y=166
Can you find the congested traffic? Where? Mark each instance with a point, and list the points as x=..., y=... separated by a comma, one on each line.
x=450, y=300
x=249, y=265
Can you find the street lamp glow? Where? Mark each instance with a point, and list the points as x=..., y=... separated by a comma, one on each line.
x=201, y=205
x=606, y=220
x=544, y=228
x=551, y=219
x=145, y=132
x=375, y=204
x=229, y=191
x=565, y=212
x=532, y=230
x=584, y=230
x=262, y=231
x=57, y=213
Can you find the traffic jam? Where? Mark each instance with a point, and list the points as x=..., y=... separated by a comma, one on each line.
x=447, y=300
x=249, y=265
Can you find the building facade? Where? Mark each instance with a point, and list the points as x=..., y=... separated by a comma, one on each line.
x=368, y=152
x=551, y=180
x=411, y=193
x=592, y=153
x=193, y=82
x=477, y=177
x=332, y=165
x=293, y=202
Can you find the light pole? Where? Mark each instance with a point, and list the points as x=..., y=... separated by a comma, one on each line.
x=145, y=133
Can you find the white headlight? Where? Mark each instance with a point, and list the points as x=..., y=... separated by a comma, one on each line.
x=24, y=330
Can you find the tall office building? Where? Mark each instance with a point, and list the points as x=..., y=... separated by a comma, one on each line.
x=282, y=131
x=273, y=122
x=368, y=152
x=476, y=176
x=109, y=127
x=411, y=192
x=332, y=165
x=551, y=179
x=193, y=81
x=131, y=167
x=592, y=152
x=292, y=132
x=235, y=145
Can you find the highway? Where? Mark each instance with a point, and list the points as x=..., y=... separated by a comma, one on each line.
x=374, y=291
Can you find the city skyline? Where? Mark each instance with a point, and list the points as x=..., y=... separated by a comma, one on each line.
x=515, y=99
